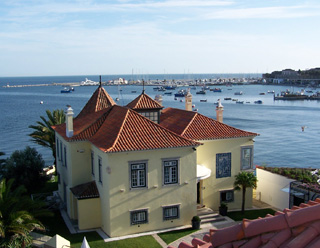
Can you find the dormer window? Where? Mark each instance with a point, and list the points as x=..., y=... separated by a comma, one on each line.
x=152, y=116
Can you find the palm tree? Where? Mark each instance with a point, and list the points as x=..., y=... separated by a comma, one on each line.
x=17, y=216
x=43, y=133
x=243, y=181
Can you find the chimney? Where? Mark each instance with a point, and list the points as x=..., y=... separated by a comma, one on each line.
x=219, y=111
x=69, y=121
x=188, y=101
x=158, y=99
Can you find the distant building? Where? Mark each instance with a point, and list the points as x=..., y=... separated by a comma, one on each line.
x=141, y=167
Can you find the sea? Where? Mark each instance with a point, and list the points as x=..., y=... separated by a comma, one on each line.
x=281, y=141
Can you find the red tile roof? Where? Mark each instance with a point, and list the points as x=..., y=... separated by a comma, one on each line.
x=98, y=101
x=86, y=190
x=298, y=227
x=119, y=129
x=143, y=102
x=193, y=125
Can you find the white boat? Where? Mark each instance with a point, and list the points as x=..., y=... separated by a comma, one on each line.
x=238, y=93
x=88, y=82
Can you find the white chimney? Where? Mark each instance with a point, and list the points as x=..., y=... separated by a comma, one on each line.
x=188, y=101
x=219, y=111
x=69, y=121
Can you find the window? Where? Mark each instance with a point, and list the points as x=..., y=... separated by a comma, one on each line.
x=223, y=165
x=153, y=116
x=138, y=174
x=57, y=148
x=171, y=212
x=65, y=156
x=139, y=217
x=170, y=172
x=100, y=170
x=246, y=158
x=227, y=196
x=61, y=155
x=92, y=163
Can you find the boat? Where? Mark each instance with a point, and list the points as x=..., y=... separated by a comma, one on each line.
x=66, y=90
x=170, y=87
x=258, y=102
x=238, y=93
x=181, y=93
x=240, y=102
x=203, y=100
x=88, y=82
x=201, y=92
x=288, y=95
x=227, y=98
x=168, y=93
x=162, y=89
x=270, y=91
x=133, y=91
x=216, y=90
x=262, y=93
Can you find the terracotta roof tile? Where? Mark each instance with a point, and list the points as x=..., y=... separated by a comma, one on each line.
x=86, y=190
x=143, y=102
x=99, y=100
x=299, y=228
x=126, y=130
x=118, y=129
x=193, y=125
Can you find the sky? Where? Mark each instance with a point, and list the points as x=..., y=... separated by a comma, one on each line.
x=93, y=37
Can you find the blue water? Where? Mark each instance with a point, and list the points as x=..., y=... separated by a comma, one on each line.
x=281, y=141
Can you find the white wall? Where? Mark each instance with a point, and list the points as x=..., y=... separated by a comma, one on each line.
x=270, y=187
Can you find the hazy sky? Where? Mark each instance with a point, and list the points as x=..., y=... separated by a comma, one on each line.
x=83, y=37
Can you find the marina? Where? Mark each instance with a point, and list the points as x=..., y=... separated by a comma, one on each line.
x=279, y=123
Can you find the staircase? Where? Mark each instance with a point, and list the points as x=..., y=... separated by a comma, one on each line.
x=207, y=215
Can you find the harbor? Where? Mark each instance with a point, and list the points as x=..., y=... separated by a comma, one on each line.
x=279, y=123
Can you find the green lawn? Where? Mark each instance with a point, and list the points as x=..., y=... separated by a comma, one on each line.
x=169, y=237
x=250, y=214
x=55, y=225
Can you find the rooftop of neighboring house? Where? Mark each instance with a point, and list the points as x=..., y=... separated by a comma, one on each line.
x=296, y=227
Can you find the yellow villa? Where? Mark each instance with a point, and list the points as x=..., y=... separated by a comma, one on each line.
x=137, y=168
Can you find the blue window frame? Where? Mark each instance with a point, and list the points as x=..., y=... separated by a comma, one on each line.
x=223, y=165
x=92, y=163
x=139, y=217
x=138, y=176
x=170, y=171
x=171, y=212
x=100, y=170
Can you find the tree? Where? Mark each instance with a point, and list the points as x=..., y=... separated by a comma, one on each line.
x=243, y=181
x=2, y=161
x=17, y=216
x=43, y=133
x=26, y=167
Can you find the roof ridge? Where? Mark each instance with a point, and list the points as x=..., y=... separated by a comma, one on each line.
x=98, y=123
x=120, y=130
x=194, y=116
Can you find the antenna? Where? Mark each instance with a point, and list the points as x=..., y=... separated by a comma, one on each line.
x=100, y=83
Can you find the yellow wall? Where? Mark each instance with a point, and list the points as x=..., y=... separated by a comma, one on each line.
x=211, y=187
x=89, y=212
x=154, y=196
